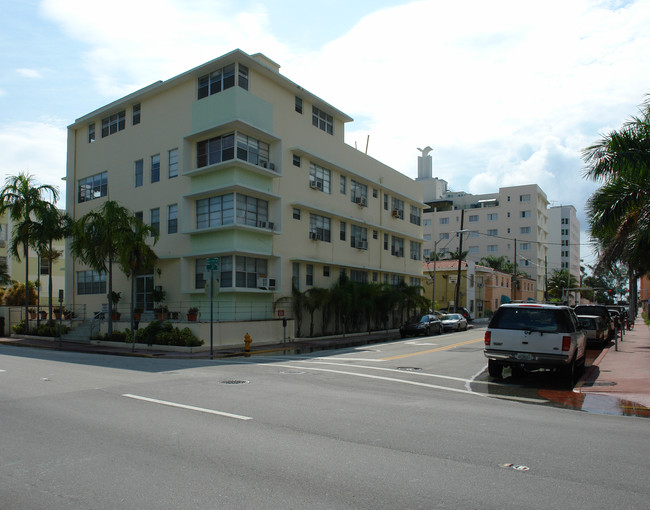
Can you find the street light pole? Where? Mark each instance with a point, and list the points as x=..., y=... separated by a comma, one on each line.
x=460, y=256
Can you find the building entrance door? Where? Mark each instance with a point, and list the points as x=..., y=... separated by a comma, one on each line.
x=143, y=292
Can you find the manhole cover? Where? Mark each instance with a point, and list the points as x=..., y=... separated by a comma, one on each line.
x=233, y=381
x=409, y=369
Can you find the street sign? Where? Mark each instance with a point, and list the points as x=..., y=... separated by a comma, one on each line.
x=212, y=263
x=215, y=287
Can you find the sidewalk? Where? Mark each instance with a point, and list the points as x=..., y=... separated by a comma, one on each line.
x=625, y=373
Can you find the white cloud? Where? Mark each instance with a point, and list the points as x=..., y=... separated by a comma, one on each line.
x=35, y=148
x=29, y=73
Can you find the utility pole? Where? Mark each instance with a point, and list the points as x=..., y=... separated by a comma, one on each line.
x=460, y=256
x=514, y=281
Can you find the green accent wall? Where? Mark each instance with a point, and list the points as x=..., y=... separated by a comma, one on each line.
x=230, y=240
x=230, y=177
x=230, y=105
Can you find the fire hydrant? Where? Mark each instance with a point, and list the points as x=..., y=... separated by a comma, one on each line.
x=247, y=342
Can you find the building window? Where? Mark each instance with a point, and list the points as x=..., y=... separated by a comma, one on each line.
x=524, y=230
x=247, y=270
x=215, y=211
x=493, y=232
x=493, y=216
x=426, y=222
x=90, y=188
x=427, y=237
x=492, y=248
x=397, y=246
x=155, y=168
x=319, y=228
x=525, y=214
x=113, y=124
x=472, y=233
x=295, y=277
x=136, y=114
x=416, y=251
x=251, y=211
x=215, y=150
x=342, y=231
x=44, y=265
x=416, y=215
x=172, y=219
x=473, y=217
x=91, y=282
x=524, y=246
x=326, y=271
x=444, y=235
x=252, y=150
x=296, y=160
x=359, y=237
x=319, y=177
x=173, y=163
x=296, y=214
x=216, y=81
x=309, y=275
x=322, y=120
x=444, y=221
x=386, y=242
x=155, y=220
x=385, y=202
x=398, y=208
x=91, y=132
x=358, y=276
x=358, y=192
x=298, y=105
x=343, y=184
x=243, y=77
x=524, y=198
x=473, y=249
x=139, y=215
x=427, y=253
x=3, y=231
x=139, y=173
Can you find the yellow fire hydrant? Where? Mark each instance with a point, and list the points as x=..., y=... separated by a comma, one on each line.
x=247, y=342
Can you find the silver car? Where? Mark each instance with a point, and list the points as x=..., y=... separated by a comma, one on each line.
x=453, y=322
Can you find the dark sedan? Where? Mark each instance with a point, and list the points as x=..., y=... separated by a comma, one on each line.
x=421, y=325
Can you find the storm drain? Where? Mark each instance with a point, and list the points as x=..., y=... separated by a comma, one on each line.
x=409, y=369
x=233, y=381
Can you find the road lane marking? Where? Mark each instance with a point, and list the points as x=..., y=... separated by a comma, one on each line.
x=415, y=383
x=190, y=408
x=445, y=348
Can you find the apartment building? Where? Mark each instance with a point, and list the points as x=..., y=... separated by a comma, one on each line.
x=564, y=240
x=232, y=160
x=39, y=267
x=511, y=223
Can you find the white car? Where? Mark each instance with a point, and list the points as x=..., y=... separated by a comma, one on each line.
x=530, y=336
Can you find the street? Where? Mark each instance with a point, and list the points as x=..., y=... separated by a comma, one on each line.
x=406, y=424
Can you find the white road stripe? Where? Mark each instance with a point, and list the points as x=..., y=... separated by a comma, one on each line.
x=190, y=408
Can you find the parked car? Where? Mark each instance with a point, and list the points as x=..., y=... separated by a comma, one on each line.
x=595, y=329
x=461, y=310
x=453, y=322
x=534, y=336
x=421, y=325
x=600, y=310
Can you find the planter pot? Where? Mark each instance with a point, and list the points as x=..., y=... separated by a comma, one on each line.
x=191, y=317
x=161, y=316
x=137, y=316
x=43, y=315
x=57, y=315
x=32, y=315
x=116, y=316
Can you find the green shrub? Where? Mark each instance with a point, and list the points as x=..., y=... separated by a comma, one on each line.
x=158, y=333
x=19, y=328
x=51, y=330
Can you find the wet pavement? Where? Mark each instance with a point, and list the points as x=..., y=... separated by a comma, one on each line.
x=616, y=380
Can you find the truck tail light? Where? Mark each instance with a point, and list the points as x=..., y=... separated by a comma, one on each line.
x=566, y=343
x=488, y=337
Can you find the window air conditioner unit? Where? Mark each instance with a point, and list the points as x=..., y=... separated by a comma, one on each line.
x=271, y=225
x=362, y=245
x=266, y=283
x=265, y=164
x=262, y=224
x=271, y=166
x=361, y=201
x=313, y=236
x=314, y=185
x=3, y=244
x=397, y=213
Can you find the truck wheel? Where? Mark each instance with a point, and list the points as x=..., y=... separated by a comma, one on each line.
x=495, y=369
x=569, y=374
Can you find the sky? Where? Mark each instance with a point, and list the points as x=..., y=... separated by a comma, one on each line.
x=507, y=92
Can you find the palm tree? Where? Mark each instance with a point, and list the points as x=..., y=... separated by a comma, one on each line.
x=619, y=211
x=560, y=280
x=5, y=277
x=135, y=256
x=52, y=225
x=314, y=299
x=22, y=197
x=98, y=238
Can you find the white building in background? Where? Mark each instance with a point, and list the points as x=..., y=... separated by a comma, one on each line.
x=564, y=240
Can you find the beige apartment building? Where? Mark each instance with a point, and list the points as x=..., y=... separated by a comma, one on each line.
x=511, y=223
x=233, y=161
x=564, y=240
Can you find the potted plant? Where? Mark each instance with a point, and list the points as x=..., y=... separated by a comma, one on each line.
x=43, y=314
x=161, y=312
x=137, y=312
x=192, y=313
x=115, y=299
x=32, y=313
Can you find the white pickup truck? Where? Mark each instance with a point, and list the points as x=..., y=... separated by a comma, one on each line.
x=528, y=336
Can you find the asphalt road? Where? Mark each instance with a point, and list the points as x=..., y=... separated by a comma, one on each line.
x=408, y=424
